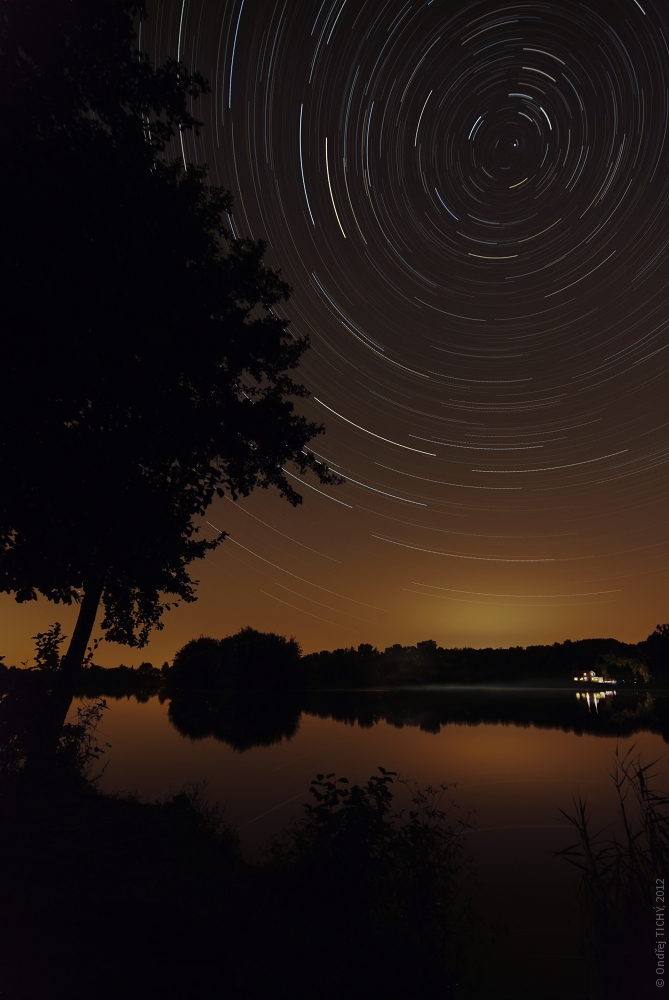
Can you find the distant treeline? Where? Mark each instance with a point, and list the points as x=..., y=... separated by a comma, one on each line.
x=143, y=682
x=428, y=663
x=251, y=689
x=252, y=660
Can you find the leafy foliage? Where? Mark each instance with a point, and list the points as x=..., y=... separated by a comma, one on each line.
x=47, y=650
x=79, y=747
x=248, y=659
x=656, y=648
x=24, y=707
x=176, y=886
x=144, y=369
x=396, y=877
x=623, y=669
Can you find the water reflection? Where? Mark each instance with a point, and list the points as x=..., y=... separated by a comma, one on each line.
x=244, y=719
x=592, y=698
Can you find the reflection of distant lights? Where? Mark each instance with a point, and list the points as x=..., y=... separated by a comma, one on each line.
x=594, y=697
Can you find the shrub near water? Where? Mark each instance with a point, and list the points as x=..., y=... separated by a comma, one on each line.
x=359, y=898
x=24, y=696
x=390, y=886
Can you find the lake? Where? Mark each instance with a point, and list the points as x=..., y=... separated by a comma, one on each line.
x=515, y=755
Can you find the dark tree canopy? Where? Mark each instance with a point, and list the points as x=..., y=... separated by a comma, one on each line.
x=657, y=652
x=247, y=660
x=143, y=369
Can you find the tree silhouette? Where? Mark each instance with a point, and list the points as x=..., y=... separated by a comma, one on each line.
x=143, y=368
x=246, y=660
x=657, y=653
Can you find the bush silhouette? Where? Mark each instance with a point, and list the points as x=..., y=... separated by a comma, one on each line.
x=383, y=880
x=247, y=660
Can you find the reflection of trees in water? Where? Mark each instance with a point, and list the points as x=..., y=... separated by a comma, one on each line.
x=623, y=715
x=244, y=719
x=638, y=710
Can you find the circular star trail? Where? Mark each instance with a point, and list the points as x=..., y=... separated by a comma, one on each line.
x=471, y=202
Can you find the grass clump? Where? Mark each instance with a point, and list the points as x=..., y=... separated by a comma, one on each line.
x=621, y=868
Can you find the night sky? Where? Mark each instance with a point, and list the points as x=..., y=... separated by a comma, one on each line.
x=471, y=202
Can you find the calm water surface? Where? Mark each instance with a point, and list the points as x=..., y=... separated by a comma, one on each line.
x=514, y=773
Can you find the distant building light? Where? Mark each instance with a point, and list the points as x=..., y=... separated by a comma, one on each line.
x=590, y=677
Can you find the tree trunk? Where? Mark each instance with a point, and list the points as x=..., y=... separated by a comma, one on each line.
x=51, y=719
x=73, y=659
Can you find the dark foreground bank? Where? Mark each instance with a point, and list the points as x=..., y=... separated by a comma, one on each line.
x=111, y=897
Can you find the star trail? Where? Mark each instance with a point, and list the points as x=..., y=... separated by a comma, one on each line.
x=471, y=202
